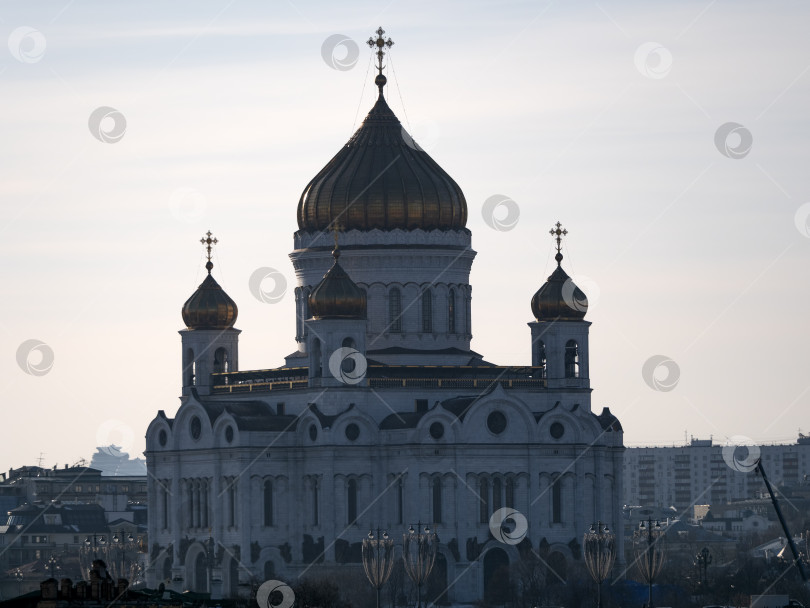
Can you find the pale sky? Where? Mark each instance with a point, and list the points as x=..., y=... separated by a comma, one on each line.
x=602, y=115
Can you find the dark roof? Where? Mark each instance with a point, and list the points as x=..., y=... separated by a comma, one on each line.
x=608, y=421
x=382, y=179
x=251, y=415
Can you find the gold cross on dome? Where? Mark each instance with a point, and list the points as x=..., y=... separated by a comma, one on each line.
x=380, y=43
x=558, y=233
x=208, y=242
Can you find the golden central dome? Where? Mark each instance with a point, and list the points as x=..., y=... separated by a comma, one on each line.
x=382, y=179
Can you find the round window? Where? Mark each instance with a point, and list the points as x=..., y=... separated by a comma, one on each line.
x=437, y=430
x=557, y=430
x=162, y=437
x=313, y=432
x=196, y=428
x=229, y=433
x=496, y=422
x=352, y=432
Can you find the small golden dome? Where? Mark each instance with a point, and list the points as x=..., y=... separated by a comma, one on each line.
x=337, y=296
x=559, y=299
x=209, y=307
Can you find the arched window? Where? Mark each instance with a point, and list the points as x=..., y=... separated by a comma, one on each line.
x=571, y=359
x=427, y=311
x=496, y=494
x=231, y=502
x=540, y=349
x=221, y=363
x=316, y=358
x=164, y=494
x=348, y=363
x=395, y=310
x=400, y=497
x=510, y=493
x=436, y=490
x=556, y=500
x=204, y=503
x=188, y=368
x=468, y=309
x=351, y=501
x=315, y=514
x=268, y=503
x=483, y=489
x=451, y=311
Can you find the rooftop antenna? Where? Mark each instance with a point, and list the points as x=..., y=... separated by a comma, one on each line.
x=41, y=459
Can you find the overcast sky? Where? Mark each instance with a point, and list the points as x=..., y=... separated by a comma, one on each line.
x=690, y=238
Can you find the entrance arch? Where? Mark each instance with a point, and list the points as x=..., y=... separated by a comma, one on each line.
x=496, y=576
x=200, y=582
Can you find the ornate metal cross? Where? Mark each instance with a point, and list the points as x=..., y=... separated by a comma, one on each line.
x=380, y=43
x=558, y=233
x=208, y=242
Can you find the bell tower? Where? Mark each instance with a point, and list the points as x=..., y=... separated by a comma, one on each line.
x=210, y=342
x=560, y=332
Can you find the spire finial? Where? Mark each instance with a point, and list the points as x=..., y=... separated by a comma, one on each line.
x=381, y=43
x=558, y=232
x=335, y=231
x=208, y=242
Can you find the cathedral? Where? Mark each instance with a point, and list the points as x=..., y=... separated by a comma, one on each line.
x=382, y=416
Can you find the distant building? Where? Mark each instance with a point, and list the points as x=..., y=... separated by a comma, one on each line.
x=703, y=473
x=67, y=514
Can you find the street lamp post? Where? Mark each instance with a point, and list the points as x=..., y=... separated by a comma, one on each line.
x=98, y=541
x=649, y=552
x=378, y=559
x=19, y=576
x=121, y=545
x=600, y=553
x=704, y=558
x=53, y=564
x=419, y=553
